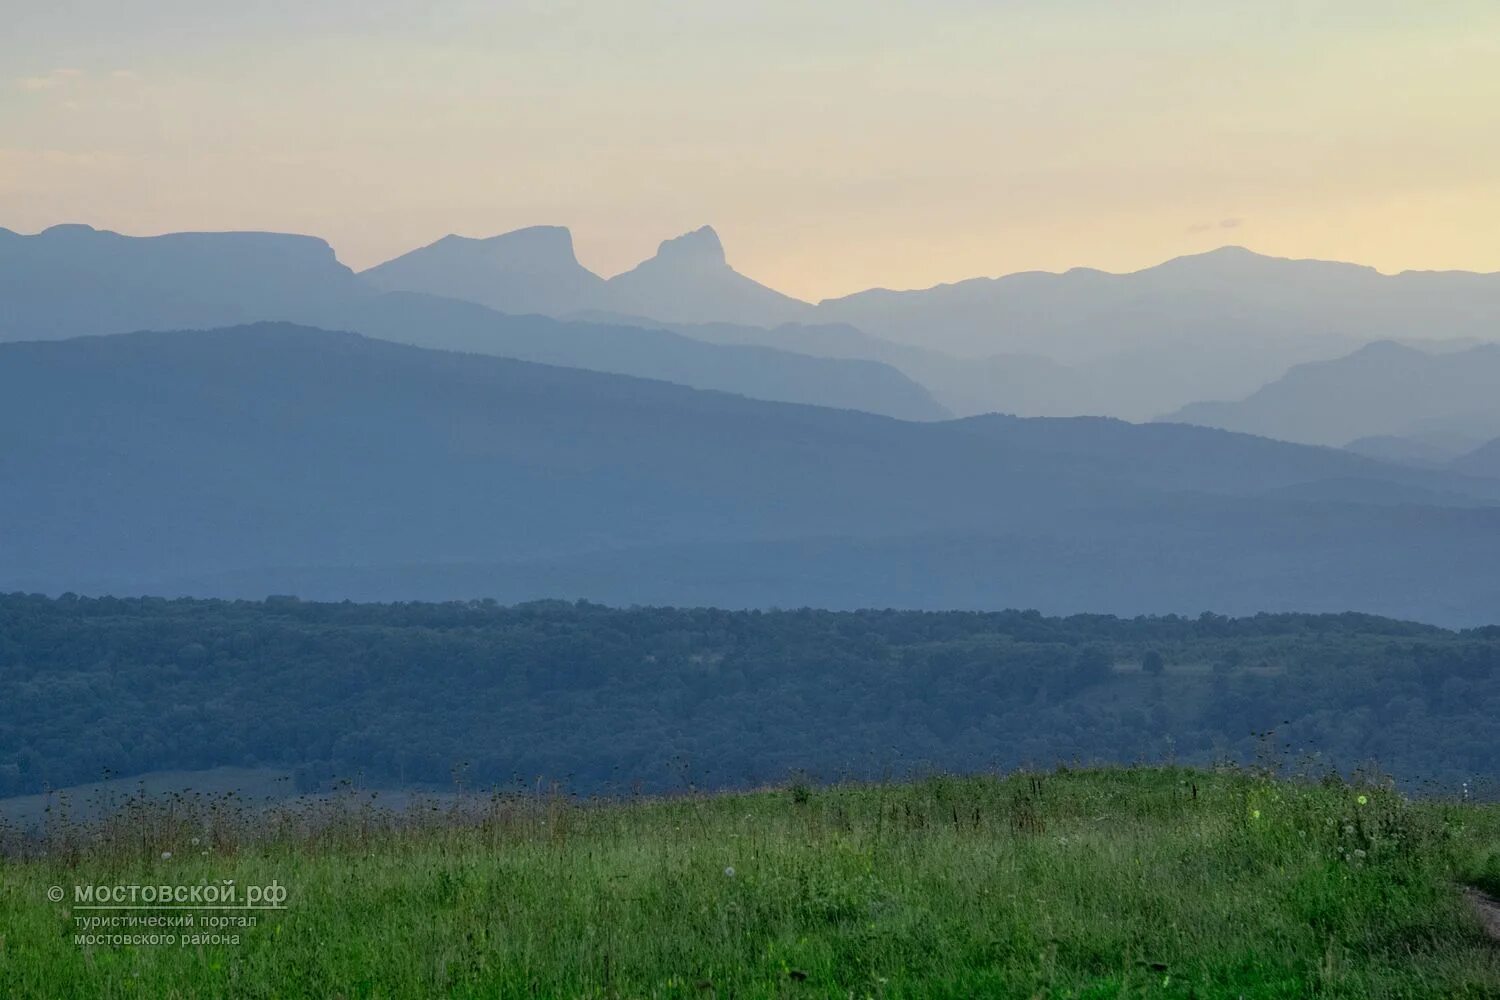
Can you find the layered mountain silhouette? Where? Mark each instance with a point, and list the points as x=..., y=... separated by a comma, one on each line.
x=1219, y=325
x=1385, y=397
x=759, y=372
x=71, y=281
x=286, y=459
x=1214, y=325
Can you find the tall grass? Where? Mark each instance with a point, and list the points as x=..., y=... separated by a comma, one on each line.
x=1099, y=883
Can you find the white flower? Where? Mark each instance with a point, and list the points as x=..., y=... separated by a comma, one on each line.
x=729, y=872
x=166, y=855
x=195, y=841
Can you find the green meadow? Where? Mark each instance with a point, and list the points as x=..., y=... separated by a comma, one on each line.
x=1159, y=882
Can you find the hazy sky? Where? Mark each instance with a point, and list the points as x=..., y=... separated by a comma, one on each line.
x=835, y=145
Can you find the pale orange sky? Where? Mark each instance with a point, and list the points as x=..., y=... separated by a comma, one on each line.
x=835, y=146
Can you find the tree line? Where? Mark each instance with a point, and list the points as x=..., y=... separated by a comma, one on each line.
x=604, y=699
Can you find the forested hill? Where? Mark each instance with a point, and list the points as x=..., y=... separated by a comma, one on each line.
x=605, y=699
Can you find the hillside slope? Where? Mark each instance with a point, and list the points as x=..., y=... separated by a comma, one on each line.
x=758, y=372
x=1382, y=390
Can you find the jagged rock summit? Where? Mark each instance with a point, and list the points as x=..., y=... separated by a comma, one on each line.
x=689, y=280
x=701, y=247
x=531, y=270
x=535, y=248
x=535, y=270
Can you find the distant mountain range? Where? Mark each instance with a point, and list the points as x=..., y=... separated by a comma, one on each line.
x=73, y=280
x=278, y=458
x=1224, y=295
x=1079, y=316
x=1385, y=399
x=1220, y=325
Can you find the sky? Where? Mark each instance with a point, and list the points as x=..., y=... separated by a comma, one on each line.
x=835, y=145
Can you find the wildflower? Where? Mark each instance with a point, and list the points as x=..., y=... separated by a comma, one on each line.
x=729, y=872
x=195, y=841
x=1363, y=800
x=166, y=855
x=1255, y=814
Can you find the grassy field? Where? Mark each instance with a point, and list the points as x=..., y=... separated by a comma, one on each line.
x=1101, y=883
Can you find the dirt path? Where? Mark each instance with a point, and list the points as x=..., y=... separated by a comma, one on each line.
x=1488, y=908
